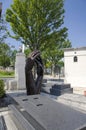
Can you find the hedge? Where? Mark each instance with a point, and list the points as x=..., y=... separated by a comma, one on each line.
x=2, y=90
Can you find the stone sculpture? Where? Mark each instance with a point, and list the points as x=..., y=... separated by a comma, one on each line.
x=33, y=86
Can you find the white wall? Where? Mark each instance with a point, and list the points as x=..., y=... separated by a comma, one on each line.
x=75, y=72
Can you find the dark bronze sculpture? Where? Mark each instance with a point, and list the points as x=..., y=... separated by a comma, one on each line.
x=34, y=86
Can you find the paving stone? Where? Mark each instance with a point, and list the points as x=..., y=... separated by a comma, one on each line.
x=74, y=100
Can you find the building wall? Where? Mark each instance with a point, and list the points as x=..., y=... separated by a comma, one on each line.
x=75, y=72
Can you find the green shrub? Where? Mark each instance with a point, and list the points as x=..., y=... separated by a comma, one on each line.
x=2, y=91
x=6, y=73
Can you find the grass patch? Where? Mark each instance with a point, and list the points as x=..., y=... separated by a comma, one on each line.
x=4, y=73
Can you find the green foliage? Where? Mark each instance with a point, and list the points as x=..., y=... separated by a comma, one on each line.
x=53, y=54
x=60, y=64
x=4, y=61
x=7, y=55
x=27, y=52
x=67, y=44
x=37, y=23
x=4, y=55
x=3, y=30
x=13, y=57
x=4, y=49
x=2, y=91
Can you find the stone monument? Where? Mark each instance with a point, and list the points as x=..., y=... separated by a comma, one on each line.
x=18, y=83
x=20, y=70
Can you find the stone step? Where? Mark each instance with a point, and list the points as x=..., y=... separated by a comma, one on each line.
x=23, y=120
x=61, y=86
x=73, y=100
x=45, y=90
x=6, y=122
x=58, y=92
x=47, y=85
x=19, y=120
x=2, y=123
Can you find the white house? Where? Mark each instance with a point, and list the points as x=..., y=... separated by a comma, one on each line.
x=75, y=68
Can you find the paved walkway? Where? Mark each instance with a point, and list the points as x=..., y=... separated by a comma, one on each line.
x=73, y=100
x=52, y=77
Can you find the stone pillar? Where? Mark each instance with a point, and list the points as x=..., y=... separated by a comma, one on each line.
x=20, y=70
x=23, y=48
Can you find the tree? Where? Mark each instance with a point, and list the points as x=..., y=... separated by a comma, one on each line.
x=4, y=55
x=37, y=22
x=13, y=57
x=3, y=30
x=52, y=55
x=4, y=61
x=27, y=52
x=0, y=8
x=7, y=55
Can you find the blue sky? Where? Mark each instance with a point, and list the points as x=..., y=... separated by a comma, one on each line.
x=75, y=21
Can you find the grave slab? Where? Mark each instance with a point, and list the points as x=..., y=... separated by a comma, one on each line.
x=47, y=114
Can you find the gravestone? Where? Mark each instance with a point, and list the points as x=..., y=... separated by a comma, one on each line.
x=20, y=70
x=39, y=112
x=18, y=83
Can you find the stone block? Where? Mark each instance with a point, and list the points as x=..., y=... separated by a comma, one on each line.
x=59, y=89
x=58, y=92
x=61, y=86
x=12, y=84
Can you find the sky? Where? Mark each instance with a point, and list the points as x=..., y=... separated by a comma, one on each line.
x=75, y=21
